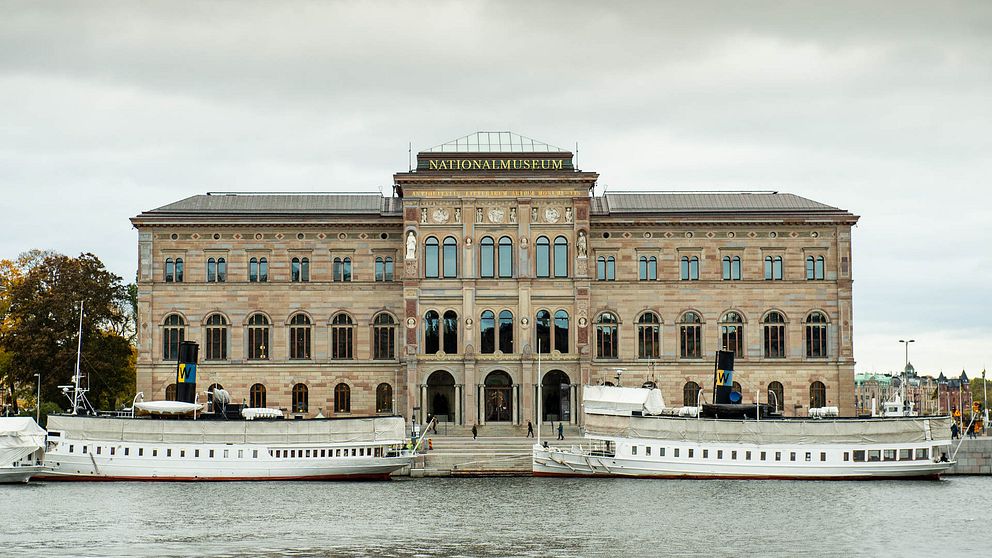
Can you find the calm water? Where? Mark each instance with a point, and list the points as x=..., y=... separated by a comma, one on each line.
x=497, y=517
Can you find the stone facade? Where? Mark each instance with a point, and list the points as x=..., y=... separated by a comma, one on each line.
x=495, y=197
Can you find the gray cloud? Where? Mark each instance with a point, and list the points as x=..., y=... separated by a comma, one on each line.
x=111, y=108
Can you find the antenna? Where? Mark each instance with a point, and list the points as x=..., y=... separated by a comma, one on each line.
x=409, y=157
x=576, y=155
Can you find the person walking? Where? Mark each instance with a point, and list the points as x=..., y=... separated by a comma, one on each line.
x=954, y=430
x=561, y=430
x=530, y=430
x=475, y=432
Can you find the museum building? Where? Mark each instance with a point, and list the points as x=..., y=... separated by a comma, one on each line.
x=491, y=277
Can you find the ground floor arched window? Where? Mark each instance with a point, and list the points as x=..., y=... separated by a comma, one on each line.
x=342, y=398
x=817, y=395
x=776, y=396
x=690, y=394
x=384, y=398
x=499, y=397
x=170, y=392
x=301, y=398
x=556, y=396
x=441, y=395
x=256, y=396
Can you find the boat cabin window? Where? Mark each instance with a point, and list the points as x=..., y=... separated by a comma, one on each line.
x=71, y=448
x=661, y=452
x=647, y=450
x=633, y=450
x=84, y=449
x=792, y=456
x=905, y=454
x=196, y=453
x=676, y=452
x=719, y=454
x=98, y=450
x=874, y=455
x=706, y=453
x=127, y=451
x=241, y=454
x=762, y=456
x=921, y=453
x=254, y=454
x=859, y=455
x=778, y=456
x=112, y=451
x=211, y=454
x=141, y=452
x=823, y=456
x=847, y=456
x=168, y=452
x=809, y=456
x=225, y=454
x=154, y=453
x=354, y=452
x=733, y=454
x=690, y=453
x=889, y=455
x=747, y=455
x=182, y=453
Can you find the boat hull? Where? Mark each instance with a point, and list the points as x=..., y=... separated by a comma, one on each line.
x=578, y=463
x=9, y=475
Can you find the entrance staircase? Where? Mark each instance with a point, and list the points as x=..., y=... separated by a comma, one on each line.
x=500, y=449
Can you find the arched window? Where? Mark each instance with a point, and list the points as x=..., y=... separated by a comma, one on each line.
x=301, y=398
x=561, y=331
x=487, y=332
x=170, y=270
x=216, y=348
x=299, y=337
x=814, y=268
x=506, y=332
x=542, y=257
x=221, y=270
x=732, y=333
x=258, y=337
x=253, y=270
x=487, y=263
x=542, y=327
x=300, y=270
x=342, y=398
x=648, y=335
x=817, y=395
x=561, y=256
x=731, y=268
x=505, y=257
x=263, y=270
x=689, y=270
x=606, y=336
x=432, y=332
x=384, y=398
x=180, y=272
x=305, y=270
x=432, y=258
x=690, y=394
x=256, y=396
x=450, y=257
x=691, y=336
x=170, y=392
x=383, y=337
x=776, y=396
x=450, y=332
x=341, y=270
x=773, y=268
x=173, y=333
x=211, y=270
x=816, y=335
x=648, y=268
x=384, y=268
x=606, y=268
x=342, y=337
x=774, y=335
x=294, y=270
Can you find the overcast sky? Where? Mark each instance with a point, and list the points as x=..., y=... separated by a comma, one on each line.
x=885, y=109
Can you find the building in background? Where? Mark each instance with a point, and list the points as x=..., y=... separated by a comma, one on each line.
x=493, y=254
x=874, y=389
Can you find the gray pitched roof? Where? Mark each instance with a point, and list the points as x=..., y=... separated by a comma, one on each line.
x=706, y=202
x=295, y=203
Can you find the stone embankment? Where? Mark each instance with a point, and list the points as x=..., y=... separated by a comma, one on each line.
x=498, y=451
x=974, y=457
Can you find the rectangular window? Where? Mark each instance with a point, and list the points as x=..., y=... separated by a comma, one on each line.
x=792, y=456
x=706, y=453
x=647, y=450
x=874, y=455
x=859, y=455
x=71, y=448
x=182, y=453
x=112, y=451
x=921, y=453
x=155, y=453
x=661, y=452
x=778, y=456
x=747, y=456
x=889, y=455
x=847, y=456
x=168, y=452
x=99, y=450
x=141, y=452
x=762, y=456
x=719, y=454
x=690, y=453
x=196, y=453
x=676, y=452
x=823, y=456
x=809, y=456
x=733, y=455
x=225, y=454
x=905, y=455
x=211, y=454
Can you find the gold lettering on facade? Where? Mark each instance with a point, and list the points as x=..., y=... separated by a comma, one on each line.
x=494, y=164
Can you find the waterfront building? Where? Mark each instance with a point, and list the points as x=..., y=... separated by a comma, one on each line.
x=493, y=252
x=873, y=389
x=954, y=394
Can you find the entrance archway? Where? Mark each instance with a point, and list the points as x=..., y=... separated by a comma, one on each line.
x=441, y=395
x=555, y=400
x=499, y=397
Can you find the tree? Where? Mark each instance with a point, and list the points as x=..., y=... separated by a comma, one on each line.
x=40, y=326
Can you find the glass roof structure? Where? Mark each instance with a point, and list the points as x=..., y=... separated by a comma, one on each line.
x=494, y=142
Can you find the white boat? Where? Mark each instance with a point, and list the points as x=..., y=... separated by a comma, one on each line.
x=22, y=449
x=213, y=449
x=629, y=434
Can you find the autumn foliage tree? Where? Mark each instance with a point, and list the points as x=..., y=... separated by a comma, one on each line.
x=39, y=301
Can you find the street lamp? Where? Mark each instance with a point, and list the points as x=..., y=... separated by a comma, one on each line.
x=906, y=343
x=38, y=401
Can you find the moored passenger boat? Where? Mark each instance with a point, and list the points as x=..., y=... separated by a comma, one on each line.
x=633, y=434
x=22, y=449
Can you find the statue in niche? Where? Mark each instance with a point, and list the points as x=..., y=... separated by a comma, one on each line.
x=582, y=246
x=423, y=214
x=533, y=215
x=513, y=214
x=568, y=214
x=411, y=245
x=478, y=215
x=458, y=215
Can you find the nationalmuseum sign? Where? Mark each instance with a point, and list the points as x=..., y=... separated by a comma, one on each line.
x=493, y=164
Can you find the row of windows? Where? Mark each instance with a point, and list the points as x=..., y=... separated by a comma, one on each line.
x=440, y=332
x=326, y=452
x=776, y=394
x=735, y=455
x=228, y=453
x=258, y=270
x=300, y=403
x=689, y=268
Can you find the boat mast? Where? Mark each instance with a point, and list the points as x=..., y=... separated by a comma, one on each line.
x=540, y=392
x=79, y=352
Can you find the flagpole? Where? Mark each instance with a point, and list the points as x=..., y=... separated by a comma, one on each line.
x=539, y=394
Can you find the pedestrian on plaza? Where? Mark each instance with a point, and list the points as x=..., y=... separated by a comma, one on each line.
x=954, y=430
x=561, y=430
x=530, y=430
x=475, y=432
x=972, y=431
